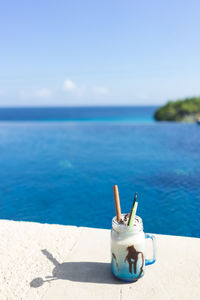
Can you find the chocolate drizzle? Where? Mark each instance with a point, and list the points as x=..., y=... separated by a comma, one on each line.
x=132, y=259
x=126, y=217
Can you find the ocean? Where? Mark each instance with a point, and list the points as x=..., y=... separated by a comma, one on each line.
x=59, y=165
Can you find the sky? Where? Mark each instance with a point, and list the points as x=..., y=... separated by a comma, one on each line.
x=102, y=52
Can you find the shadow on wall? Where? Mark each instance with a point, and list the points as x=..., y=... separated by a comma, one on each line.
x=93, y=272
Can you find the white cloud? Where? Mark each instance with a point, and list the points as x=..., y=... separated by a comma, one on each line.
x=43, y=93
x=83, y=91
x=69, y=85
x=100, y=90
x=68, y=92
x=32, y=94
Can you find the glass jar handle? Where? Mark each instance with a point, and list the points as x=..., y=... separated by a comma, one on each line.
x=151, y=261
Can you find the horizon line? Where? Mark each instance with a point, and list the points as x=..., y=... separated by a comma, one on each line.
x=77, y=106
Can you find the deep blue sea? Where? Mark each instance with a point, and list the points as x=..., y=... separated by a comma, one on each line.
x=59, y=165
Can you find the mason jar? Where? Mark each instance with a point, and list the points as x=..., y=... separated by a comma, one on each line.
x=128, y=250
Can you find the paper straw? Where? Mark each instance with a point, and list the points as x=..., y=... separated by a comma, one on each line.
x=117, y=203
x=135, y=197
x=132, y=217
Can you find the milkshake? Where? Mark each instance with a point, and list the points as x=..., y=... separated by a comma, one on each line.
x=128, y=243
x=127, y=249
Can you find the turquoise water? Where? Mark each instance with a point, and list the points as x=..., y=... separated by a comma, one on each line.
x=63, y=171
x=79, y=114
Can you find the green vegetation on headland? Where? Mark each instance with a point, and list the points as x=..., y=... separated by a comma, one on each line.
x=186, y=110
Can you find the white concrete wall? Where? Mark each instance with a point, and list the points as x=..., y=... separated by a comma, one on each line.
x=53, y=262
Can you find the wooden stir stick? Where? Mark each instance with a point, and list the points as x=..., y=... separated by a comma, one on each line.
x=117, y=203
